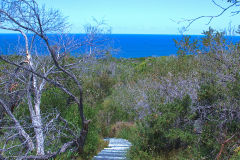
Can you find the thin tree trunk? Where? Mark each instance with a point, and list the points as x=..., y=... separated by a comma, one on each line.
x=36, y=116
x=37, y=122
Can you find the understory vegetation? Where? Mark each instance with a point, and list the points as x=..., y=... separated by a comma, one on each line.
x=174, y=107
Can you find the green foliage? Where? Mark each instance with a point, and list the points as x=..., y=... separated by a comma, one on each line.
x=92, y=142
x=165, y=131
x=234, y=87
x=98, y=87
x=207, y=94
x=114, y=112
x=53, y=97
x=124, y=130
x=213, y=38
x=186, y=46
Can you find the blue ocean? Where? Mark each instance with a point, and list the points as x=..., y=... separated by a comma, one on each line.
x=127, y=45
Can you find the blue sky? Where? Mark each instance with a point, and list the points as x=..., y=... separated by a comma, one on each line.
x=142, y=16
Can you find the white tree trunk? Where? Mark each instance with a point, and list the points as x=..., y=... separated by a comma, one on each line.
x=36, y=113
x=37, y=123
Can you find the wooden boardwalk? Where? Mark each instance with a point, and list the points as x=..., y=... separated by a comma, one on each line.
x=116, y=150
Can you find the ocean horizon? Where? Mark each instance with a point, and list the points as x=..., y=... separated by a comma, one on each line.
x=124, y=45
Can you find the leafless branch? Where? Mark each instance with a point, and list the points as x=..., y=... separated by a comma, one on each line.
x=223, y=10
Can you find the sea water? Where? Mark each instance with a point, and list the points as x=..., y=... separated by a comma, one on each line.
x=124, y=45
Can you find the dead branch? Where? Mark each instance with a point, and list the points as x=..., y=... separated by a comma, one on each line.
x=210, y=18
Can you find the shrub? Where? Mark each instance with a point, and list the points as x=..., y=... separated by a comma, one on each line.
x=166, y=130
x=122, y=130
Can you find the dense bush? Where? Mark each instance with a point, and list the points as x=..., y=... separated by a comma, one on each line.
x=208, y=71
x=167, y=129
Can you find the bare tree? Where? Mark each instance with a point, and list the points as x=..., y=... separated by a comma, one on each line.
x=32, y=73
